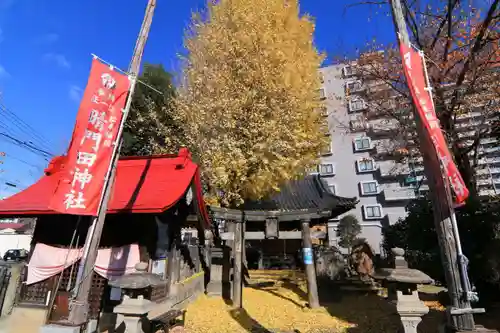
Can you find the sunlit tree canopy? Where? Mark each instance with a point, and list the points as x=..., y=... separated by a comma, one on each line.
x=249, y=98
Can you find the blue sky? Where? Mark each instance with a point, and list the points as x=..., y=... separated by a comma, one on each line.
x=45, y=49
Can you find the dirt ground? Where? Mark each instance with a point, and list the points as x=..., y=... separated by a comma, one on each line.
x=276, y=301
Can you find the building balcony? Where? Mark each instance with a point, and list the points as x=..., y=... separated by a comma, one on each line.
x=392, y=168
x=349, y=71
x=489, y=150
x=399, y=194
x=487, y=171
x=483, y=182
x=469, y=115
x=413, y=180
x=487, y=192
x=489, y=160
x=469, y=124
x=377, y=112
x=467, y=134
x=354, y=87
x=486, y=141
x=358, y=126
x=384, y=127
x=422, y=188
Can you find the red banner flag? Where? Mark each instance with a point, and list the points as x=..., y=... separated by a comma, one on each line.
x=413, y=65
x=94, y=136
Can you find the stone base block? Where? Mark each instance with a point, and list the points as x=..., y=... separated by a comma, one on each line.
x=92, y=326
x=218, y=289
x=59, y=329
x=479, y=329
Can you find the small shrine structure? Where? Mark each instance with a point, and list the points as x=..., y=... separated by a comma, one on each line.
x=151, y=201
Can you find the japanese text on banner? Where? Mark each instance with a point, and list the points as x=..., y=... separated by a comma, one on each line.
x=89, y=155
x=414, y=70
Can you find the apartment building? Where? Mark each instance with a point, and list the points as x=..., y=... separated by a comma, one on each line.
x=373, y=156
x=488, y=159
x=350, y=167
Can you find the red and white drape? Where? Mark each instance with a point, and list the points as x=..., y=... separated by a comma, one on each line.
x=47, y=261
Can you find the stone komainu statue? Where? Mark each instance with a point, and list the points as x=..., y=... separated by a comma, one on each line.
x=362, y=259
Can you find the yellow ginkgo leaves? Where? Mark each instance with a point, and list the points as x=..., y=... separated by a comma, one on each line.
x=249, y=97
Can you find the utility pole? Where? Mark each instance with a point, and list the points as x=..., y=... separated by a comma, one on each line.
x=460, y=314
x=79, y=306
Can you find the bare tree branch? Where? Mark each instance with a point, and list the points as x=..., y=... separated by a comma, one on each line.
x=449, y=38
x=378, y=3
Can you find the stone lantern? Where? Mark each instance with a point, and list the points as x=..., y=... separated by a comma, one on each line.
x=134, y=308
x=402, y=285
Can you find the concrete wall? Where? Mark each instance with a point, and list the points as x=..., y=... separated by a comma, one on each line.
x=11, y=292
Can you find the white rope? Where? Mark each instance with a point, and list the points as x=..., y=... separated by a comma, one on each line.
x=113, y=67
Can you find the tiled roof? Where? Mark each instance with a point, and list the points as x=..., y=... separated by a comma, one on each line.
x=144, y=184
x=309, y=193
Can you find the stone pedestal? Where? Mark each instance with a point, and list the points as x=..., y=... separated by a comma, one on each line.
x=133, y=312
x=410, y=309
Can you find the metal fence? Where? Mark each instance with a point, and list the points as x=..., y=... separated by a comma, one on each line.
x=4, y=283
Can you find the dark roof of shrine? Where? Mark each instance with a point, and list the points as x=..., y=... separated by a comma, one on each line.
x=308, y=194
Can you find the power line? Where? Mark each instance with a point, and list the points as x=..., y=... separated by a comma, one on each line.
x=12, y=183
x=24, y=128
x=16, y=137
x=24, y=124
x=15, y=129
x=25, y=162
x=28, y=146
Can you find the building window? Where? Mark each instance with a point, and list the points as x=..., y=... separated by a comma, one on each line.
x=348, y=71
x=369, y=187
x=357, y=105
x=326, y=169
x=357, y=125
x=372, y=211
x=333, y=189
x=322, y=94
x=362, y=144
x=366, y=165
x=354, y=86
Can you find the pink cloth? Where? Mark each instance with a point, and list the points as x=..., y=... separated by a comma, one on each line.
x=117, y=261
x=47, y=261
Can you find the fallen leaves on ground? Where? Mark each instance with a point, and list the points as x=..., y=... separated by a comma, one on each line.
x=277, y=301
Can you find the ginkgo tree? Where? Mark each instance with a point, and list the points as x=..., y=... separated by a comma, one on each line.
x=249, y=96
